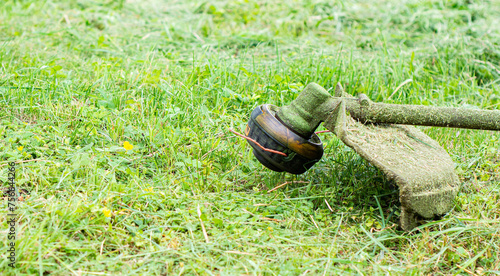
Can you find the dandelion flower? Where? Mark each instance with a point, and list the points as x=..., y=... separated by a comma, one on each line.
x=106, y=212
x=127, y=145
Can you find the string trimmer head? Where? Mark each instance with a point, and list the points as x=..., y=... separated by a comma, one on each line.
x=380, y=133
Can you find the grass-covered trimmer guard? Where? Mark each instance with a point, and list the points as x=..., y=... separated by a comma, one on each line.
x=378, y=132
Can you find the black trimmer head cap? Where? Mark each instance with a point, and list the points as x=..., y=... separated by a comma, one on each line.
x=271, y=133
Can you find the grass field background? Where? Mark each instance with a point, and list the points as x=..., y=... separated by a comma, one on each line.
x=78, y=79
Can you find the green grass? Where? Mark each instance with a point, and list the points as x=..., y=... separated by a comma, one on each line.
x=79, y=78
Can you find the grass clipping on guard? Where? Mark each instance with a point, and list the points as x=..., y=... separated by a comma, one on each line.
x=422, y=169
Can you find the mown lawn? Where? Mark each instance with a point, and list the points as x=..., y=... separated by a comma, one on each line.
x=80, y=78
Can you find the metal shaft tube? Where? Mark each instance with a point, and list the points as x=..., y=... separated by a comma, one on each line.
x=425, y=115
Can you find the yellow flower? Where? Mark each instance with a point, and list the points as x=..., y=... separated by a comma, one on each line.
x=106, y=212
x=20, y=148
x=127, y=145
